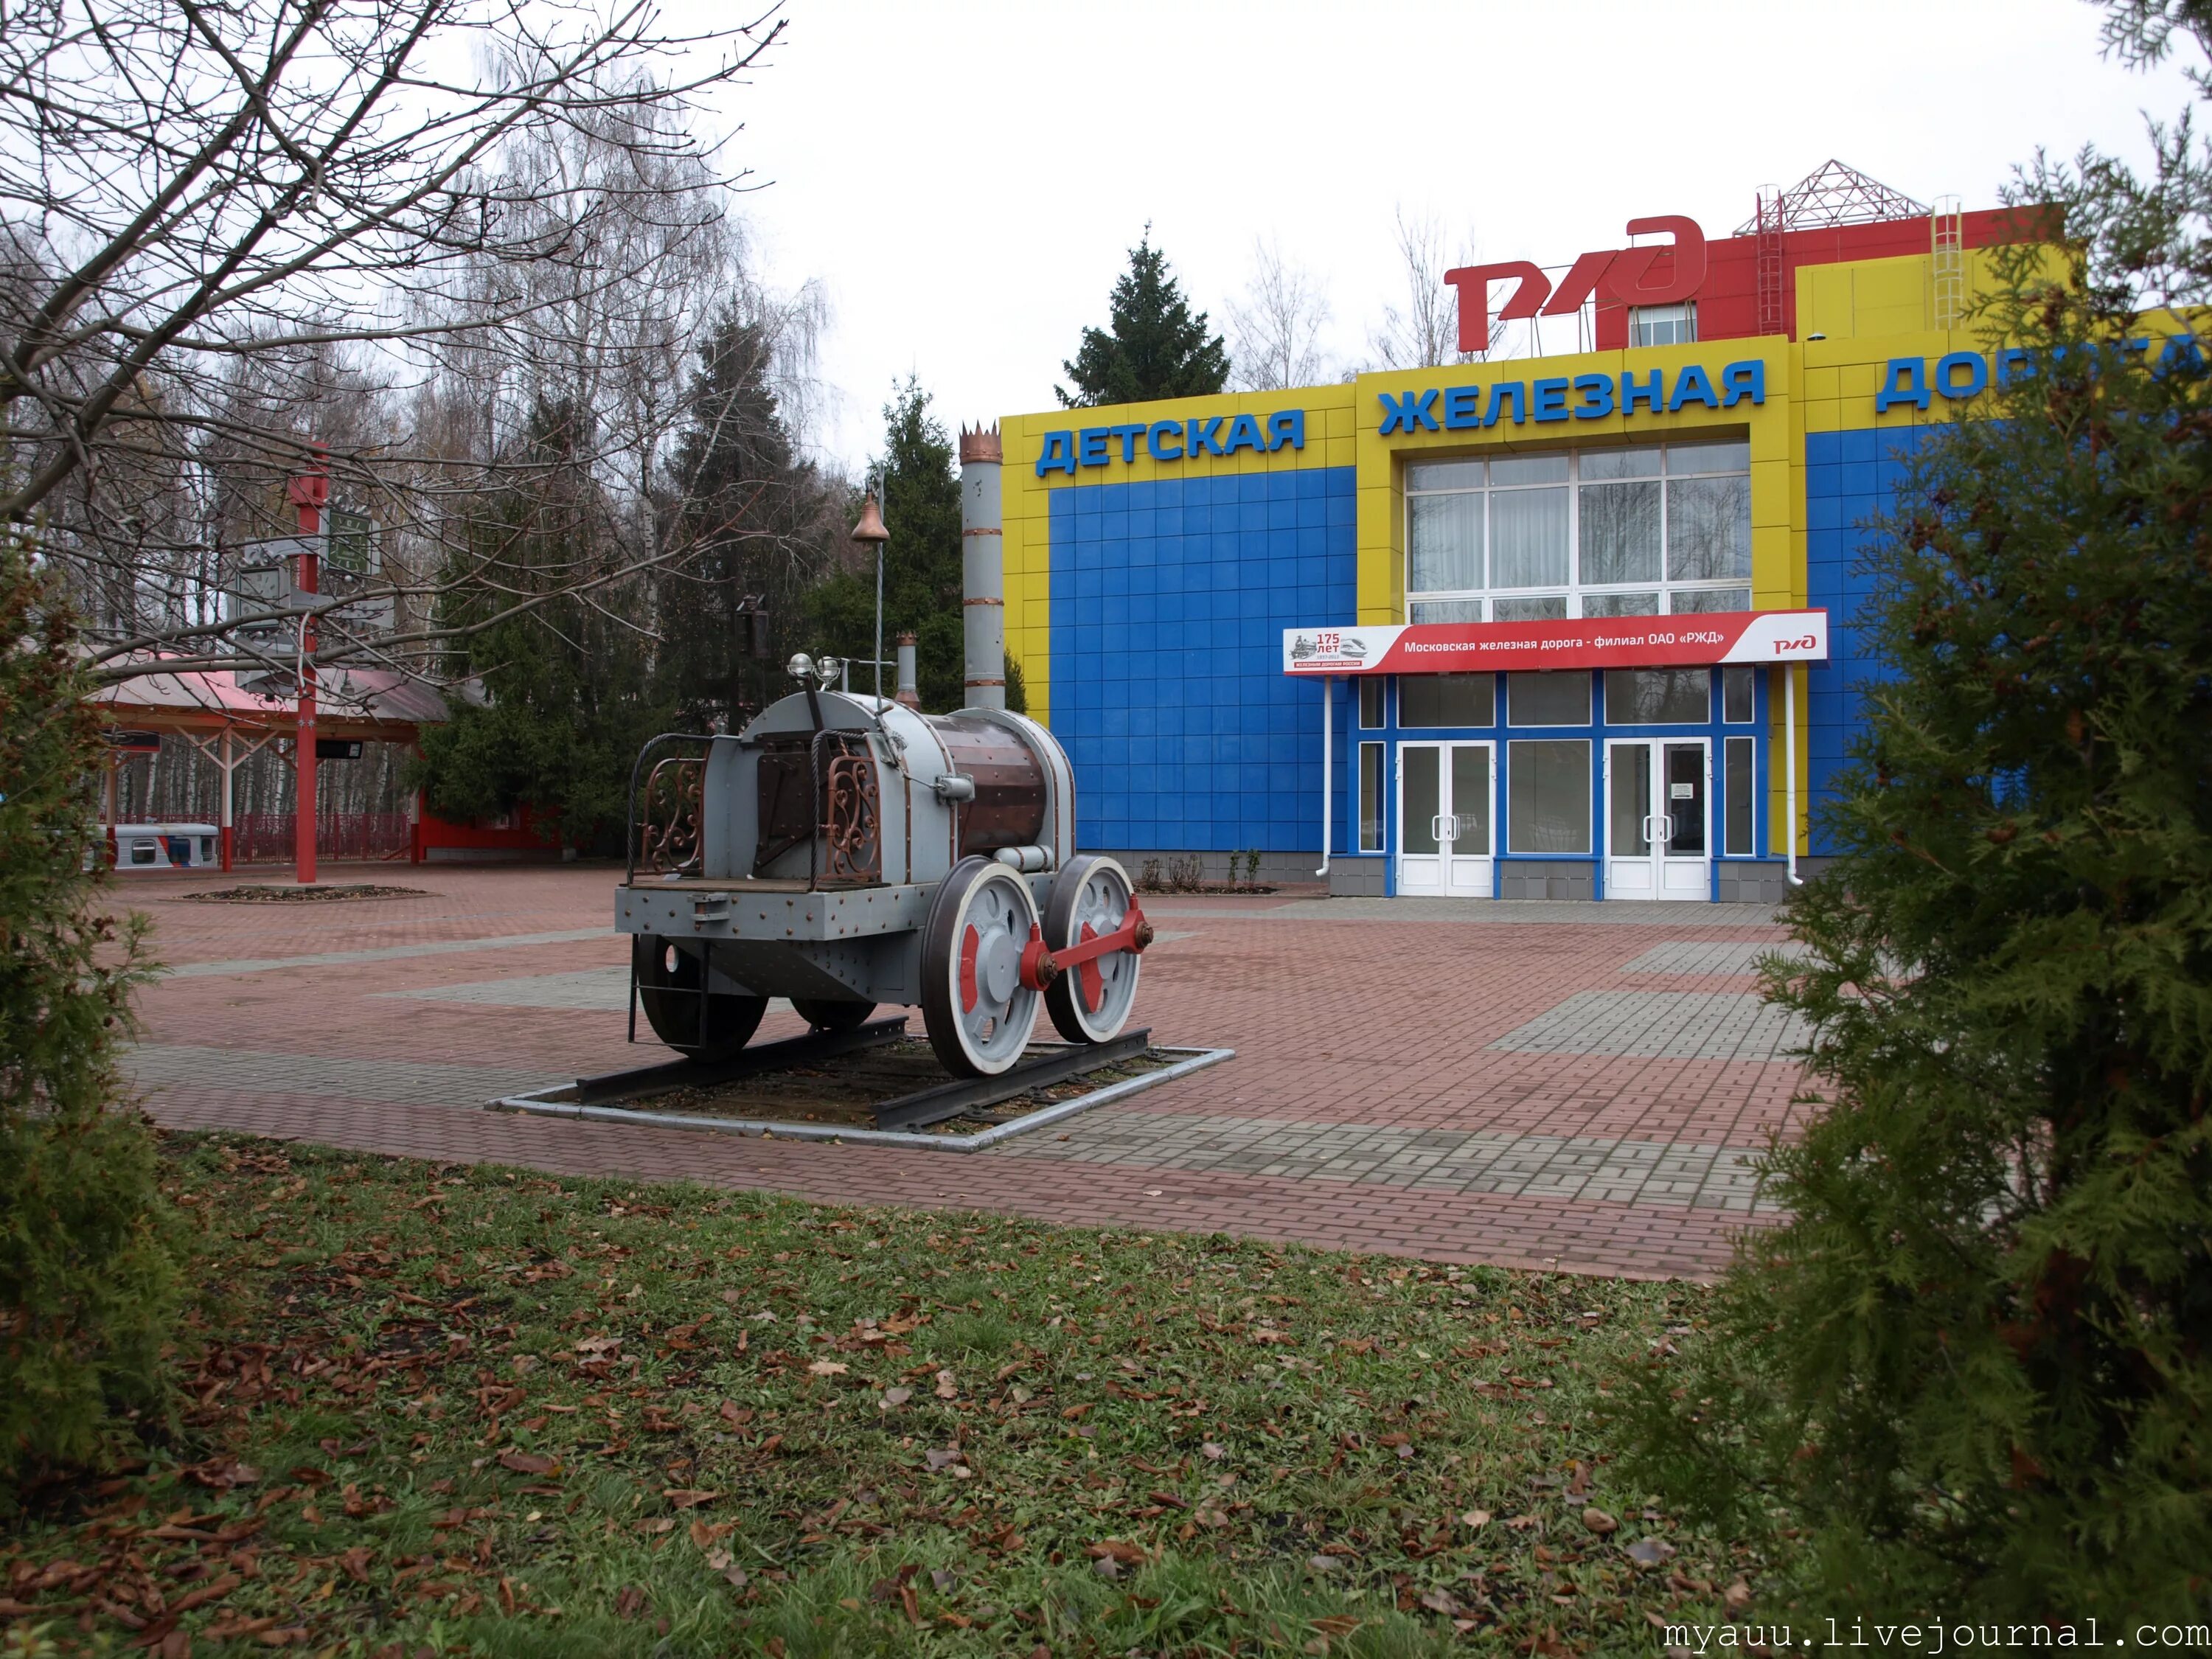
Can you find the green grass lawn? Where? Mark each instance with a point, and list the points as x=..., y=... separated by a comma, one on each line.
x=483, y=1410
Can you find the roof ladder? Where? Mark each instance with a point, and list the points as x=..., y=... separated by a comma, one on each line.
x=1767, y=261
x=1946, y=248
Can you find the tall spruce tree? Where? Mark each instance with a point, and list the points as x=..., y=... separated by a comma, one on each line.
x=922, y=578
x=572, y=693
x=90, y=1283
x=1972, y=1373
x=749, y=517
x=1153, y=346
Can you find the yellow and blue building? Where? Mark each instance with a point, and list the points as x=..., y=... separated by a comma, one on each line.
x=1741, y=409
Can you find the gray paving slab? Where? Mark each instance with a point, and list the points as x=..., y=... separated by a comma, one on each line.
x=1659, y=1025
x=383, y=953
x=399, y=1082
x=1685, y=956
x=1547, y=1166
x=588, y=990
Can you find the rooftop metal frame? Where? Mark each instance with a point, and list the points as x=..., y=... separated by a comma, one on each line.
x=1831, y=194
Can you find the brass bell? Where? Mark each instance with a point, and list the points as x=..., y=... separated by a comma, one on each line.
x=870, y=526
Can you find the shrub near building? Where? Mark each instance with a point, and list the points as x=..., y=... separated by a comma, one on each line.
x=1975, y=1369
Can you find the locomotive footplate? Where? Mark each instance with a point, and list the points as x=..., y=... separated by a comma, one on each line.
x=760, y=910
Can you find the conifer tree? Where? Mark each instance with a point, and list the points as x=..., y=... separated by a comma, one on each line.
x=572, y=696
x=920, y=490
x=1972, y=1374
x=749, y=519
x=89, y=1279
x=1153, y=346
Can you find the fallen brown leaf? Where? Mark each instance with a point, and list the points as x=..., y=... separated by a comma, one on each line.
x=213, y=1591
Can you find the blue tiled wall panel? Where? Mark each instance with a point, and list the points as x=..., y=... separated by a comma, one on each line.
x=1169, y=604
x=1850, y=477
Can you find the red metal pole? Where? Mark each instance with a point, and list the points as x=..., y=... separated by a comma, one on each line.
x=229, y=766
x=309, y=492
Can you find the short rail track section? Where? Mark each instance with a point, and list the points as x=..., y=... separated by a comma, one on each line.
x=620, y=1096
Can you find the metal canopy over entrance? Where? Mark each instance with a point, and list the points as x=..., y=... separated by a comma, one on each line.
x=1502, y=756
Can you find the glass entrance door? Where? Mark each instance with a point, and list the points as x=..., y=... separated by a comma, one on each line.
x=1658, y=819
x=1445, y=792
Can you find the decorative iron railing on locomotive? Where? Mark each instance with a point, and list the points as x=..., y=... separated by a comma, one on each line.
x=667, y=841
x=845, y=851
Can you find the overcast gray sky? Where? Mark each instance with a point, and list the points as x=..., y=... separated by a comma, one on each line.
x=966, y=178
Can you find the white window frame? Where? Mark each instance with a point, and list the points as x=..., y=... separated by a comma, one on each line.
x=1666, y=324
x=1574, y=591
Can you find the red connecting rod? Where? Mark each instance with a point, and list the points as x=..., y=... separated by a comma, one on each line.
x=1041, y=965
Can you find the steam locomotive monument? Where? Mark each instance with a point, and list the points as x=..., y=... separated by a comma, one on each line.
x=846, y=851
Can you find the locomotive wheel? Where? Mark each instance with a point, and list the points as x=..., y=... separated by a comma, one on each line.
x=1091, y=1002
x=668, y=983
x=831, y=1014
x=977, y=1011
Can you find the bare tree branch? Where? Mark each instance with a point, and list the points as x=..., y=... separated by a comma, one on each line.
x=399, y=235
x=1275, y=329
x=1424, y=333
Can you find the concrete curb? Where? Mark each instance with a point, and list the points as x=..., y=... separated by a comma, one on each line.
x=537, y=1104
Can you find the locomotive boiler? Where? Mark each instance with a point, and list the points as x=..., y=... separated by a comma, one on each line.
x=847, y=851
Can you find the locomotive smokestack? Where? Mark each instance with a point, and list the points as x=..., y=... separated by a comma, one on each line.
x=983, y=605
x=909, y=689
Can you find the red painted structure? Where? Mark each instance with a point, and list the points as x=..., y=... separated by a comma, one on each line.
x=1694, y=640
x=519, y=839
x=1723, y=276
x=309, y=493
x=228, y=724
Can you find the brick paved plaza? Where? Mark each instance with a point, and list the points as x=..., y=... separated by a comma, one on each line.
x=1529, y=1085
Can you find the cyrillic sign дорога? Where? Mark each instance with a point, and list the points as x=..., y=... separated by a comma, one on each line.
x=1173, y=441
x=1580, y=397
x=1964, y=374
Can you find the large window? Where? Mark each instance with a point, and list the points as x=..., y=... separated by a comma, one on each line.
x=1425, y=700
x=1547, y=792
x=1547, y=699
x=1594, y=533
x=1658, y=696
